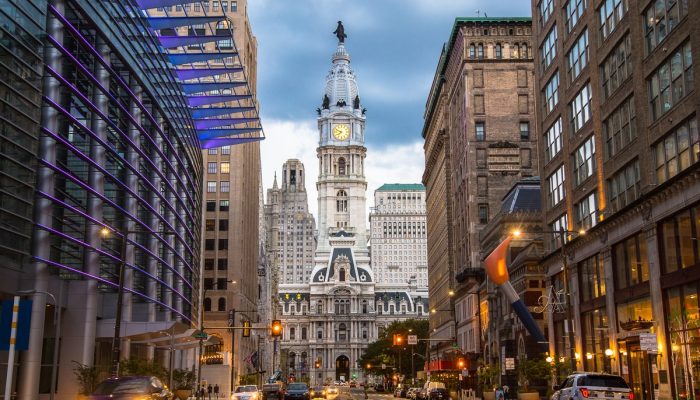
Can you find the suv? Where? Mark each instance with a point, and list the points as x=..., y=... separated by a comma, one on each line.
x=434, y=391
x=584, y=385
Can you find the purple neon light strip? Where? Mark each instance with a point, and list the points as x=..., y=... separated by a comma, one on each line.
x=123, y=108
x=104, y=171
x=114, y=126
x=126, y=87
x=116, y=259
x=80, y=183
x=97, y=222
x=114, y=285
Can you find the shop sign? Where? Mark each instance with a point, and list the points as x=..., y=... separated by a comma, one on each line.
x=648, y=343
x=510, y=363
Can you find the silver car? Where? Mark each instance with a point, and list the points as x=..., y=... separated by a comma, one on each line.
x=591, y=385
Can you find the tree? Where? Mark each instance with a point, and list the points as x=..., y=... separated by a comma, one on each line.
x=533, y=371
x=382, y=351
x=86, y=376
x=141, y=367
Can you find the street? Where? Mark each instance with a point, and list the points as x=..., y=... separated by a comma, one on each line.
x=347, y=393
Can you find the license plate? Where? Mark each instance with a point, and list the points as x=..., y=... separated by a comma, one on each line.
x=610, y=395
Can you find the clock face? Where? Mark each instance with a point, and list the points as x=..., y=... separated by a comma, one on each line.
x=341, y=132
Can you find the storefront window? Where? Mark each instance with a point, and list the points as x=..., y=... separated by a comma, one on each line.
x=630, y=261
x=635, y=314
x=678, y=235
x=592, y=278
x=684, y=337
x=595, y=340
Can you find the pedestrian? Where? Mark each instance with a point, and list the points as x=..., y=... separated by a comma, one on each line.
x=216, y=390
x=499, y=393
x=210, y=390
x=506, y=391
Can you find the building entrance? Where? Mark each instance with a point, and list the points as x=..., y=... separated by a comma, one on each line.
x=639, y=369
x=342, y=368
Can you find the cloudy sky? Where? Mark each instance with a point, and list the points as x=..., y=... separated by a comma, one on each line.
x=394, y=45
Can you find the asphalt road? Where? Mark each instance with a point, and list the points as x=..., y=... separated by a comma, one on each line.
x=358, y=393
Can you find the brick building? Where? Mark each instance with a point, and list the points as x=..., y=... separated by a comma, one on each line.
x=617, y=119
x=478, y=145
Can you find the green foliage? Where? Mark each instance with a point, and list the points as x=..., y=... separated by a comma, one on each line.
x=531, y=370
x=184, y=379
x=86, y=376
x=562, y=369
x=139, y=366
x=488, y=376
x=382, y=351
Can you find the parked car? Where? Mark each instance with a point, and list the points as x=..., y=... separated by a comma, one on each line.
x=131, y=388
x=434, y=391
x=585, y=385
x=246, y=392
x=297, y=391
x=318, y=392
x=400, y=391
x=412, y=392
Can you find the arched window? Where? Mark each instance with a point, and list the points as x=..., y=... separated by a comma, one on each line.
x=480, y=51
x=292, y=334
x=341, y=275
x=207, y=304
x=341, y=166
x=222, y=304
x=342, y=201
x=514, y=50
x=499, y=53
x=472, y=51
x=523, y=50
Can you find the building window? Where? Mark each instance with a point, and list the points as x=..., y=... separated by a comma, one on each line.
x=234, y=6
x=224, y=6
x=209, y=264
x=212, y=151
x=223, y=205
x=586, y=212
x=222, y=264
x=480, y=51
x=215, y=6
x=595, y=339
x=480, y=131
x=619, y=128
x=209, y=244
x=623, y=187
x=524, y=131
x=303, y=333
x=592, y=278
x=223, y=244
x=677, y=151
x=499, y=51
x=211, y=167
x=555, y=182
x=341, y=166
x=578, y=56
x=551, y=93
x=482, y=186
x=584, y=161
x=211, y=205
x=222, y=304
x=225, y=167
x=580, y=108
x=319, y=334
x=682, y=320
x=479, y=104
x=672, y=81
x=553, y=140
x=208, y=283
x=292, y=336
x=225, y=149
x=341, y=204
x=223, y=225
x=210, y=225
x=224, y=186
x=617, y=67
x=661, y=17
x=546, y=7
x=573, y=11
x=472, y=51
x=207, y=304
x=483, y=213
x=678, y=238
x=211, y=187
x=630, y=261
x=548, y=50
x=558, y=226
x=611, y=13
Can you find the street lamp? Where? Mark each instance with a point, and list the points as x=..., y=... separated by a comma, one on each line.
x=116, y=339
x=56, y=342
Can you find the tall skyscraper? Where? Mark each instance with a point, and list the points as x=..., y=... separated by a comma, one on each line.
x=478, y=144
x=332, y=317
x=618, y=126
x=398, y=235
x=290, y=226
x=231, y=188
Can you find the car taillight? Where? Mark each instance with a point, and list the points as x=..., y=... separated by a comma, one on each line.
x=631, y=396
x=584, y=392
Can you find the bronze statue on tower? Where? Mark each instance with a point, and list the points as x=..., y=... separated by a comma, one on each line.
x=340, y=32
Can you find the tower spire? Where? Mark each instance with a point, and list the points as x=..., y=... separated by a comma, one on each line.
x=274, y=183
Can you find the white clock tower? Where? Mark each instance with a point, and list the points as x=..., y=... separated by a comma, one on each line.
x=341, y=153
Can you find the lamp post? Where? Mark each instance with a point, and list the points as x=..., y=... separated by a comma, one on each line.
x=116, y=338
x=56, y=343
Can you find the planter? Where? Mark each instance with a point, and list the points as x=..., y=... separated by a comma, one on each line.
x=490, y=395
x=183, y=394
x=529, y=396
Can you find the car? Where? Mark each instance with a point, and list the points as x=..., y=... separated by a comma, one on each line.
x=433, y=390
x=131, y=388
x=400, y=391
x=412, y=392
x=332, y=392
x=583, y=385
x=297, y=391
x=246, y=392
x=318, y=392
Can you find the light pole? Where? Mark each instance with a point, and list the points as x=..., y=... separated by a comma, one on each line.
x=56, y=343
x=116, y=338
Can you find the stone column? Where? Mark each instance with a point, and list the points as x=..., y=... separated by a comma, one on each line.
x=610, y=308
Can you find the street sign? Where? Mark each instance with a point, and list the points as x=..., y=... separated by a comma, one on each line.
x=200, y=335
x=231, y=316
x=648, y=343
x=412, y=339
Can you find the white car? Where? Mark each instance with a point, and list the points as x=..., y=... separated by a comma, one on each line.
x=246, y=392
x=332, y=392
x=585, y=385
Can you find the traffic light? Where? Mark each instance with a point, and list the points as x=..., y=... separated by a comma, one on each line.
x=398, y=340
x=461, y=363
x=317, y=364
x=276, y=327
x=246, y=328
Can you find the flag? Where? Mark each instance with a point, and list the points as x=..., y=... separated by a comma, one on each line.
x=495, y=263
